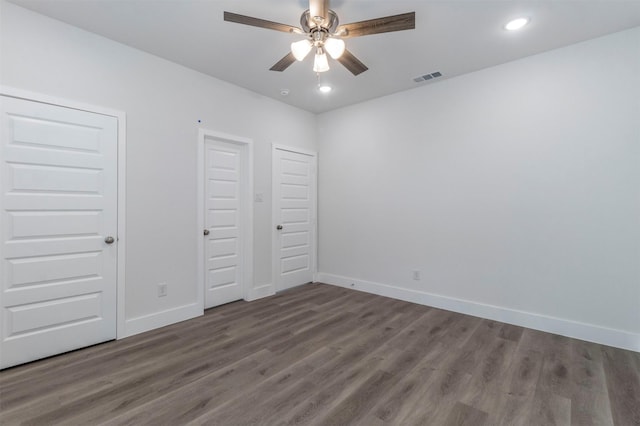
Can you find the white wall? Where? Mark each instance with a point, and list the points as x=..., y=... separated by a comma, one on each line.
x=514, y=190
x=163, y=103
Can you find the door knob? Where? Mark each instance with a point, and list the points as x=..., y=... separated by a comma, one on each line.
x=279, y=227
x=109, y=240
x=206, y=232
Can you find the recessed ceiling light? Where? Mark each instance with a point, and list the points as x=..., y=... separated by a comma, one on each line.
x=324, y=88
x=516, y=24
x=284, y=92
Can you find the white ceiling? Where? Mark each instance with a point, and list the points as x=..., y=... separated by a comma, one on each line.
x=453, y=37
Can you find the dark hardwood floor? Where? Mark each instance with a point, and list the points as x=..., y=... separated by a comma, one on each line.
x=323, y=355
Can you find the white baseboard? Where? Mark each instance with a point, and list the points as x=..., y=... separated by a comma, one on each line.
x=260, y=292
x=161, y=319
x=181, y=313
x=592, y=333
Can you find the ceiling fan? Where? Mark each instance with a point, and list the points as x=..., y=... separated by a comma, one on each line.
x=322, y=31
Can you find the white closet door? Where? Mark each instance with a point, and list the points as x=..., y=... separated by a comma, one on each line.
x=224, y=209
x=294, y=213
x=58, y=222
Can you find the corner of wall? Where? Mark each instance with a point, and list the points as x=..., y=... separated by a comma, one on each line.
x=263, y=290
x=155, y=320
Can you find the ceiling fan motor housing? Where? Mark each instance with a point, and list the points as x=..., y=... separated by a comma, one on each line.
x=308, y=23
x=319, y=36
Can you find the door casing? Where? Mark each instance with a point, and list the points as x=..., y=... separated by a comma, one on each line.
x=121, y=176
x=246, y=219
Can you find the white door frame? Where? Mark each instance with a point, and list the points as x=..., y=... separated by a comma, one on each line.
x=122, y=136
x=275, y=250
x=246, y=220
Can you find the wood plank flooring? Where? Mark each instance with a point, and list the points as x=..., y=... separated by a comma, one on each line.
x=323, y=355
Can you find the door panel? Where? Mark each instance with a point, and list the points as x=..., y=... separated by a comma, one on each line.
x=294, y=189
x=224, y=207
x=52, y=313
x=30, y=178
x=51, y=269
x=58, y=203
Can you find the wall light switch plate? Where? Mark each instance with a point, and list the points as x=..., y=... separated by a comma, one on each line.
x=162, y=289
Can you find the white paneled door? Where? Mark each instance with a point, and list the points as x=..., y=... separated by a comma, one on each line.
x=224, y=233
x=294, y=215
x=58, y=227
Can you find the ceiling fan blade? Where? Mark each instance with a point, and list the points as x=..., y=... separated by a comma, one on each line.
x=283, y=63
x=352, y=63
x=319, y=8
x=404, y=21
x=257, y=22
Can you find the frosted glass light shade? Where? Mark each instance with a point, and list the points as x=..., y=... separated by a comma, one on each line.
x=321, y=64
x=300, y=49
x=334, y=47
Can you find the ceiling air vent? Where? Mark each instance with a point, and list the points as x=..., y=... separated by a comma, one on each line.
x=427, y=76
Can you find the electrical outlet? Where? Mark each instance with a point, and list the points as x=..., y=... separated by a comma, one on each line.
x=162, y=289
x=416, y=275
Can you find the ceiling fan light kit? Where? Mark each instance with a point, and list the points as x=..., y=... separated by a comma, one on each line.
x=320, y=64
x=321, y=27
x=334, y=47
x=301, y=49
